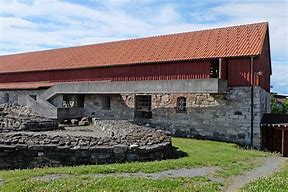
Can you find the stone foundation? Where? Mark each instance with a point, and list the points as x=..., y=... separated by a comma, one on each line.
x=25, y=156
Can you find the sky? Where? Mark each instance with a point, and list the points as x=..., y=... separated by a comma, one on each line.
x=32, y=25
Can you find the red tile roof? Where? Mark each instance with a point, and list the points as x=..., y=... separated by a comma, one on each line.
x=25, y=85
x=243, y=40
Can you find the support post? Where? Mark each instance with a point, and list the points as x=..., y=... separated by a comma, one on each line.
x=252, y=100
x=283, y=140
x=220, y=76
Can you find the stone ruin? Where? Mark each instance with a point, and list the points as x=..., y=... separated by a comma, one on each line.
x=28, y=140
x=18, y=118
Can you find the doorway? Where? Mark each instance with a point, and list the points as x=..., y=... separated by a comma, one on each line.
x=143, y=106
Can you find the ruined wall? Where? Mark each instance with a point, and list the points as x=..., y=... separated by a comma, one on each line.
x=215, y=116
x=121, y=107
x=30, y=156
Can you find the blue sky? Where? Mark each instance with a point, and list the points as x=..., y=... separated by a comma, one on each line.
x=30, y=25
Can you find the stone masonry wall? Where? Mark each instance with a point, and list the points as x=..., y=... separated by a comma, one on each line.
x=215, y=116
x=31, y=156
x=121, y=107
x=224, y=117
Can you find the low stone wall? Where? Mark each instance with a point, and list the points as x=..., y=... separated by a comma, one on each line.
x=30, y=156
x=108, y=141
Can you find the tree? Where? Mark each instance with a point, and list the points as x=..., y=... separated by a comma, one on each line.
x=285, y=106
x=279, y=107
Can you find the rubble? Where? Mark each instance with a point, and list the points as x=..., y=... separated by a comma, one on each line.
x=19, y=118
x=117, y=133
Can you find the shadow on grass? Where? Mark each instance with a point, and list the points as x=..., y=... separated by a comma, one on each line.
x=176, y=153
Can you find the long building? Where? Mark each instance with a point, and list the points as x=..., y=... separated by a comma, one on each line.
x=211, y=84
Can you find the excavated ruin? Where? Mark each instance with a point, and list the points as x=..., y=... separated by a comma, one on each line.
x=28, y=140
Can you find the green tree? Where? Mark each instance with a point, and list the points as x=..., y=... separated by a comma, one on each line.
x=278, y=107
x=285, y=106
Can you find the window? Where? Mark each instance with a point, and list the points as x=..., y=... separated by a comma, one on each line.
x=143, y=106
x=214, y=69
x=181, y=104
x=70, y=101
x=6, y=98
x=106, y=102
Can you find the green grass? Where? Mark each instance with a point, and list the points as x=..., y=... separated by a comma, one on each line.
x=276, y=183
x=89, y=183
x=229, y=158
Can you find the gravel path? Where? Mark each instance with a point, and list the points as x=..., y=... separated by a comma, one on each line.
x=193, y=172
x=1, y=182
x=50, y=177
x=270, y=166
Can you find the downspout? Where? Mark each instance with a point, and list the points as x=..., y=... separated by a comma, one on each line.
x=252, y=99
x=220, y=76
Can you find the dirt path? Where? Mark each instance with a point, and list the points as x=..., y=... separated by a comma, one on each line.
x=1, y=182
x=193, y=172
x=270, y=166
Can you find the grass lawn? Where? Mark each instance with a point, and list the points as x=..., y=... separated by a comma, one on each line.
x=278, y=182
x=229, y=158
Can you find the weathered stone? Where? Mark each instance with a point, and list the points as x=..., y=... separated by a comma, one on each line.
x=208, y=113
x=133, y=146
x=74, y=121
x=241, y=135
x=84, y=121
x=120, y=148
x=20, y=118
x=132, y=157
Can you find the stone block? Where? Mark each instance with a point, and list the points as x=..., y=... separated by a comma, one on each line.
x=120, y=148
x=132, y=157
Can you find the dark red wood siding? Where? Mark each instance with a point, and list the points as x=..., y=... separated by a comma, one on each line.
x=239, y=72
x=223, y=69
x=236, y=70
x=157, y=71
x=263, y=64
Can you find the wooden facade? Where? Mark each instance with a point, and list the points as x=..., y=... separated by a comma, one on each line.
x=274, y=130
x=85, y=63
x=275, y=139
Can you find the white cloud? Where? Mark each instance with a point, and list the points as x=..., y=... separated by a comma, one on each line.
x=279, y=79
x=274, y=12
x=167, y=15
x=42, y=24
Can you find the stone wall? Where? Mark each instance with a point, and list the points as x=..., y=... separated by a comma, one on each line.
x=224, y=116
x=30, y=156
x=121, y=107
x=214, y=116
